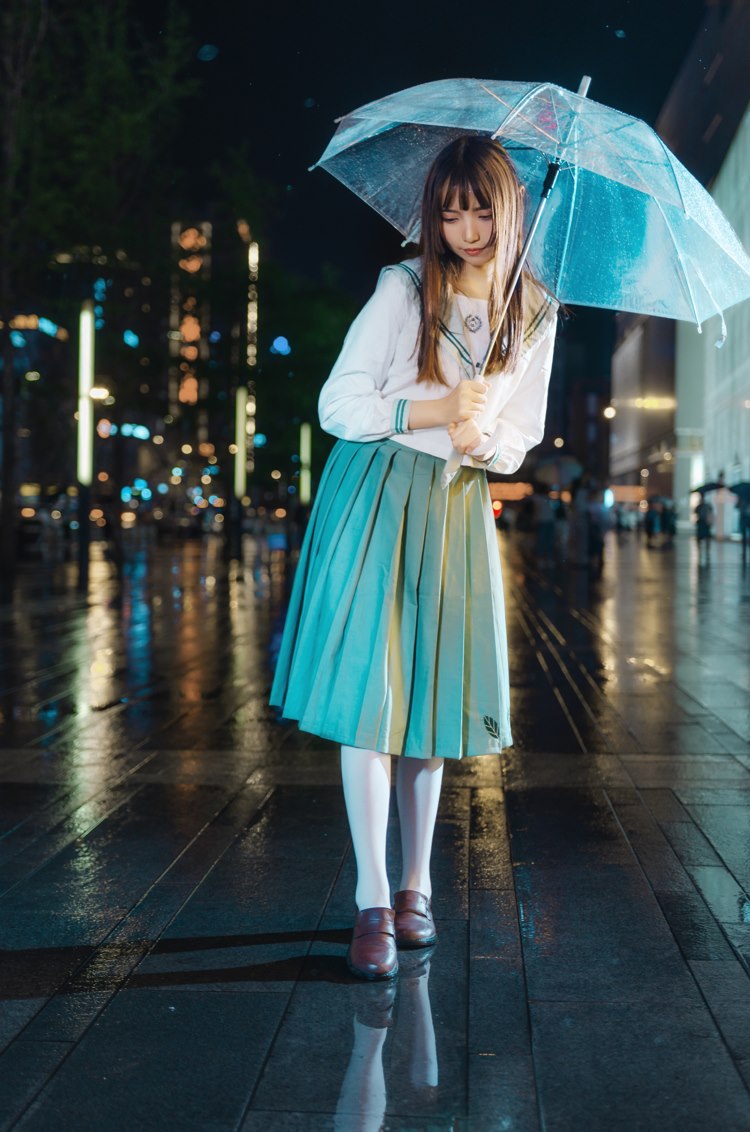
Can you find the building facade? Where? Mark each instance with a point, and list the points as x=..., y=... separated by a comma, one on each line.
x=679, y=400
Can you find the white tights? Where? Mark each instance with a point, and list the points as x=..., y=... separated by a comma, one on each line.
x=367, y=792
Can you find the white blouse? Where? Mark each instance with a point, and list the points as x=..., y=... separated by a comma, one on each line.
x=367, y=395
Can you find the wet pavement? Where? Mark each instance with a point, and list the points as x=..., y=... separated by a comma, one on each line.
x=176, y=882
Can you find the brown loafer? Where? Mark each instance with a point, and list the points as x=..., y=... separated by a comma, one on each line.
x=415, y=926
x=372, y=952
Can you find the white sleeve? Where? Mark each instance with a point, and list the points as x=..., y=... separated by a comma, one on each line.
x=520, y=425
x=352, y=405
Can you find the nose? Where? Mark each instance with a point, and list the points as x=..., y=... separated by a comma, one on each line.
x=471, y=229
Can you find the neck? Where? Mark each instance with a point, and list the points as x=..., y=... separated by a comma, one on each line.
x=476, y=282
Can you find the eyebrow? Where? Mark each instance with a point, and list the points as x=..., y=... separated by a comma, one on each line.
x=477, y=208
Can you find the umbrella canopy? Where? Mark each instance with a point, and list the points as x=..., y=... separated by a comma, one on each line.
x=741, y=489
x=706, y=487
x=627, y=227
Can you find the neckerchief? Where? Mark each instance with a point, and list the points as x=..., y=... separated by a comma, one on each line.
x=541, y=307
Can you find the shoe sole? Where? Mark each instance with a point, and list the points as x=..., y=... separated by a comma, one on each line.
x=372, y=978
x=415, y=945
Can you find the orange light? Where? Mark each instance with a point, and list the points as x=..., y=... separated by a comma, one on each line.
x=191, y=238
x=190, y=328
x=507, y=492
x=28, y=512
x=189, y=352
x=188, y=394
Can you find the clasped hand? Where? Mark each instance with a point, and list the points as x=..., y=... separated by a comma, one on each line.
x=466, y=402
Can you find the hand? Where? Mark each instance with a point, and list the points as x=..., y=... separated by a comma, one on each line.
x=465, y=402
x=465, y=435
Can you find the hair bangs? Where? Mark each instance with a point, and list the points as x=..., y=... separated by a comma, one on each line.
x=462, y=185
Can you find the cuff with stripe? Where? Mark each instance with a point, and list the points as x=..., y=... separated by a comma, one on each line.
x=490, y=457
x=400, y=416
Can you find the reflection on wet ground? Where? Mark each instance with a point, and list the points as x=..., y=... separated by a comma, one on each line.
x=176, y=886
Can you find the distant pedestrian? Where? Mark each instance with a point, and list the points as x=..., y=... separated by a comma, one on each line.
x=704, y=521
x=543, y=519
x=562, y=531
x=652, y=523
x=669, y=524
x=395, y=640
x=744, y=518
x=599, y=524
x=578, y=540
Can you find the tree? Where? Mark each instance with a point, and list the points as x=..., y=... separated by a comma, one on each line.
x=88, y=110
x=314, y=316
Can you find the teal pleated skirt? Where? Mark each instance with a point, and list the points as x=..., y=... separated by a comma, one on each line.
x=395, y=639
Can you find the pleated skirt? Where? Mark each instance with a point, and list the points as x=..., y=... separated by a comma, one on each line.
x=395, y=638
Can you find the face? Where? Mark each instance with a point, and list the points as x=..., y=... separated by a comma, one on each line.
x=468, y=232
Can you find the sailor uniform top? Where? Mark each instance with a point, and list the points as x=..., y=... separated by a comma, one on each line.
x=368, y=393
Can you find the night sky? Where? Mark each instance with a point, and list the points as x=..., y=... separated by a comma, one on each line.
x=284, y=72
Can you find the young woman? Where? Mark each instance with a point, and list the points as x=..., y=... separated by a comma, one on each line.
x=394, y=642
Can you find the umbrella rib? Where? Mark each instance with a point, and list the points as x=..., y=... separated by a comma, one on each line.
x=603, y=139
x=683, y=269
x=671, y=170
x=675, y=243
x=515, y=112
x=571, y=213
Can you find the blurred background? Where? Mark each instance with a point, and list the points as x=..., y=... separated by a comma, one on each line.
x=175, y=284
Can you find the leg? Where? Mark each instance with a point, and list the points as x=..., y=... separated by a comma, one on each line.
x=418, y=783
x=362, y=1101
x=367, y=792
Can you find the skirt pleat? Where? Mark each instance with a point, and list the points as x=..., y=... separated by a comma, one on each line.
x=395, y=633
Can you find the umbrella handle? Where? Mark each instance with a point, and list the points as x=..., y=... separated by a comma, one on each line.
x=450, y=467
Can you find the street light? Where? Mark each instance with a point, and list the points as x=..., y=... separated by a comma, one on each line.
x=85, y=461
x=305, y=458
x=85, y=455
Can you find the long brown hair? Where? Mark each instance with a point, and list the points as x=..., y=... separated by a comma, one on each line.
x=478, y=165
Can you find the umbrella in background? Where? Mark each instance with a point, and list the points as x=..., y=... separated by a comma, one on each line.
x=742, y=490
x=557, y=471
x=628, y=227
x=706, y=487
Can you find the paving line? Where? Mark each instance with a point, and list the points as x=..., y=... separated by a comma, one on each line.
x=537, y=631
x=136, y=950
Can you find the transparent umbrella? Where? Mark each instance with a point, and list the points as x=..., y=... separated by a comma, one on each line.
x=627, y=226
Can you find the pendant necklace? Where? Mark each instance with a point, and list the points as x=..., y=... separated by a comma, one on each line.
x=472, y=322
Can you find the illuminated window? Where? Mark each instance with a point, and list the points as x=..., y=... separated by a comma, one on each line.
x=188, y=394
x=190, y=328
x=191, y=239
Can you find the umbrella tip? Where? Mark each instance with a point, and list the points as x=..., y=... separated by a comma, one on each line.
x=583, y=86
